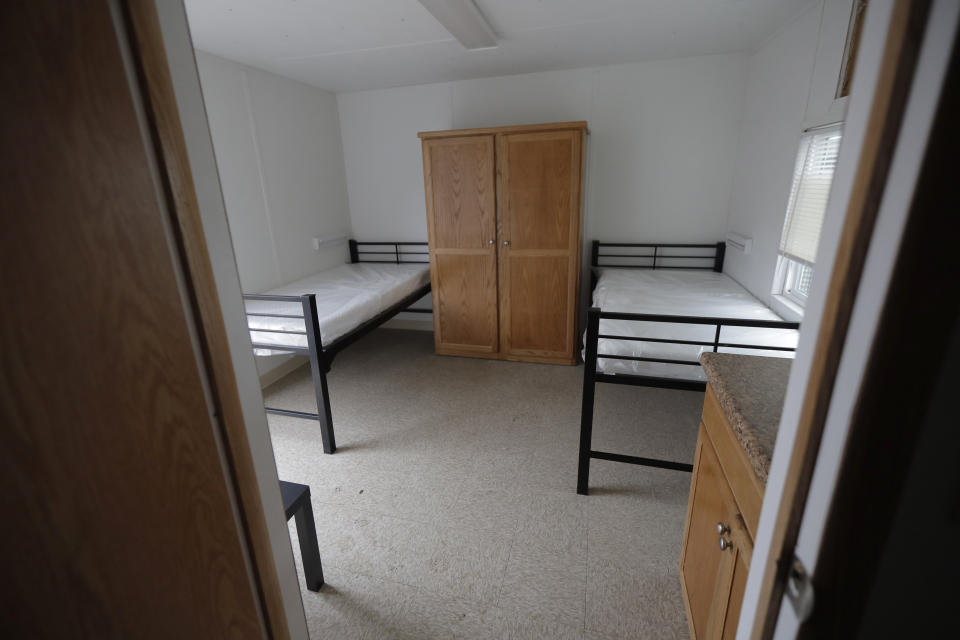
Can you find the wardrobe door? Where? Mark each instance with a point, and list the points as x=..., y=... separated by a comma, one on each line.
x=461, y=221
x=539, y=224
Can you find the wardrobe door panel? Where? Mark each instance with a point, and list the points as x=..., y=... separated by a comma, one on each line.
x=465, y=304
x=539, y=224
x=461, y=219
x=542, y=177
x=538, y=298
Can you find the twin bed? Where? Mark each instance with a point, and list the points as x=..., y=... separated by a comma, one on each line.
x=654, y=309
x=320, y=315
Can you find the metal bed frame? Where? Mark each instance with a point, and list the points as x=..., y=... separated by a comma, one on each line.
x=321, y=357
x=708, y=257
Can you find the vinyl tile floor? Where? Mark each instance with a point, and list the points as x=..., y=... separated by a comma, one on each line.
x=450, y=510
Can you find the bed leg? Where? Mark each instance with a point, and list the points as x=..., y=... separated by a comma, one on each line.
x=586, y=409
x=323, y=407
x=318, y=369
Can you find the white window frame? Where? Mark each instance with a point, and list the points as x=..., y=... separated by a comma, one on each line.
x=789, y=271
x=787, y=279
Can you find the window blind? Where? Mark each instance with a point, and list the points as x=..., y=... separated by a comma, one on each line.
x=812, y=176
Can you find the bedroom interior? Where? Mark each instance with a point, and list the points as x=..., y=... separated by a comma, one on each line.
x=653, y=155
x=620, y=281
x=569, y=216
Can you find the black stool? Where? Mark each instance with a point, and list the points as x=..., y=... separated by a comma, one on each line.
x=296, y=503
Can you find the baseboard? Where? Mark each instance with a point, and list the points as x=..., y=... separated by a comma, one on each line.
x=291, y=365
x=417, y=324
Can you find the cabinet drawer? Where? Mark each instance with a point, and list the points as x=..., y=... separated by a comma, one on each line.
x=746, y=487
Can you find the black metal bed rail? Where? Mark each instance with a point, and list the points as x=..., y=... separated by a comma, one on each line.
x=712, y=261
x=591, y=376
x=319, y=360
x=321, y=356
x=358, y=252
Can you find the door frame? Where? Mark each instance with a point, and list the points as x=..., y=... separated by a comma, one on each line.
x=896, y=470
x=163, y=61
x=892, y=41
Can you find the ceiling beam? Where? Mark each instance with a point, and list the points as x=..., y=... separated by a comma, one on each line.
x=464, y=21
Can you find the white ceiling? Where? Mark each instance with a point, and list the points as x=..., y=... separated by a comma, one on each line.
x=348, y=45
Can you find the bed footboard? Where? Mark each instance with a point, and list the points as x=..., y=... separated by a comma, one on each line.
x=319, y=363
x=321, y=357
x=591, y=374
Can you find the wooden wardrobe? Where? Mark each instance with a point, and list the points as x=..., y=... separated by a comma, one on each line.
x=504, y=223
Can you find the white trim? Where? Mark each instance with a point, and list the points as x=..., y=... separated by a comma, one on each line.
x=892, y=216
x=785, y=308
x=911, y=144
x=422, y=323
x=199, y=147
x=282, y=370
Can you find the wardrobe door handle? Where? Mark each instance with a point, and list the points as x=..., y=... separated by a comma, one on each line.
x=506, y=243
x=491, y=242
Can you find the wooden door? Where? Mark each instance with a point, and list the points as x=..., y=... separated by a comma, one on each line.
x=700, y=557
x=539, y=241
x=118, y=517
x=461, y=221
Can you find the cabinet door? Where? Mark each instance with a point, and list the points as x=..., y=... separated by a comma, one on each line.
x=731, y=581
x=701, y=557
x=461, y=221
x=539, y=225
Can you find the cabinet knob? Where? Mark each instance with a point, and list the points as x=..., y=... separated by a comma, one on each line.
x=723, y=528
x=725, y=544
x=491, y=242
x=506, y=243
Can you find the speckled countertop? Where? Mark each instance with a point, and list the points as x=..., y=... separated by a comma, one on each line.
x=751, y=391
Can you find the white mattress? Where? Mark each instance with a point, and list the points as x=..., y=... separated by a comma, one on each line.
x=347, y=296
x=686, y=293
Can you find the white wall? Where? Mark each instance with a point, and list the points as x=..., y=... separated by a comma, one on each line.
x=658, y=164
x=280, y=161
x=791, y=80
x=660, y=135
x=778, y=81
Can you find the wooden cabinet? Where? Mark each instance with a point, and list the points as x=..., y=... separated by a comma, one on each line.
x=504, y=224
x=722, y=515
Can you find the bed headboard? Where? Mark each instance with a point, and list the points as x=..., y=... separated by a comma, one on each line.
x=391, y=252
x=707, y=257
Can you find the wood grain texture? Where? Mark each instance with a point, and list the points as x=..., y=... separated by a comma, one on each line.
x=119, y=521
x=538, y=302
x=521, y=305
x=483, y=131
x=713, y=580
x=731, y=588
x=903, y=40
x=461, y=223
x=539, y=217
x=465, y=303
x=744, y=483
x=147, y=40
x=700, y=557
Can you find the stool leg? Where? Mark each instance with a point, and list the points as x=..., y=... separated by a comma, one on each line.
x=309, y=550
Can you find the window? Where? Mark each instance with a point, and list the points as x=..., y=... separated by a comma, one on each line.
x=812, y=177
